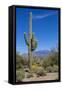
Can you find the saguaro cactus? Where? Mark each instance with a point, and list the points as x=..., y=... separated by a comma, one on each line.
x=30, y=41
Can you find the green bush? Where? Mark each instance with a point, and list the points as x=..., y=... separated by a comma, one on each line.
x=40, y=71
x=50, y=60
x=18, y=66
x=20, y=74
x=52, y=68
x=29, y=75
x=49, y=69
x=55, y=68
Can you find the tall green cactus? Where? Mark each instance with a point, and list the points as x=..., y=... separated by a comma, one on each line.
x=30, y=41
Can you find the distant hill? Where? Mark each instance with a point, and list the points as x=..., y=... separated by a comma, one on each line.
x=40, y=53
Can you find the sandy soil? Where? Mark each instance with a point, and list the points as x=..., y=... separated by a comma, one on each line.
x=49, y=76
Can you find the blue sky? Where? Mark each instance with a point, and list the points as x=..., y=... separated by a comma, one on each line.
x=44, y=25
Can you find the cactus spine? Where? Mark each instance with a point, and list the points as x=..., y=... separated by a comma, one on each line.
x=30, y=42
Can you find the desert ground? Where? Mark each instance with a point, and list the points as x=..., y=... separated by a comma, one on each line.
x=49, y=76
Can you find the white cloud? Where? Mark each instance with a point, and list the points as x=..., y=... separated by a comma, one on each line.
x=43, y=16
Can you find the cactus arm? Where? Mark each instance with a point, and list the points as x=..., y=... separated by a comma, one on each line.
x=33, y=48
x=26, y=39
x=33, y=43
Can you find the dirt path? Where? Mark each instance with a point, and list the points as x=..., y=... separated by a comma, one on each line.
x=49, y=76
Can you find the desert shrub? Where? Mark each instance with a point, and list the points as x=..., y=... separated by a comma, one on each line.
x=27, y=70
x=50, y=60
x=34, y=67
x=37, y=60
x=52, y=68
x=29, y=75
x=55, y=68
x=49, y=69
x=20, y=74
x=19, y=66
x=45, y=63
x=19, y=61
x=40, y=71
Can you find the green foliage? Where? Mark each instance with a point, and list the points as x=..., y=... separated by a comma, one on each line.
x=20, y=74
x=40, y=66
x=52, y=68
x=51, y=60
x=49, y=69
x=55, y=68
x=34, y=68
x=40, y=71
x=37, y=60
x=45, y=63
x=29, y=75
x=19, y=61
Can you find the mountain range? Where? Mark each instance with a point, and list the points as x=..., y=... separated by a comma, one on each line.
x=40, y=53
